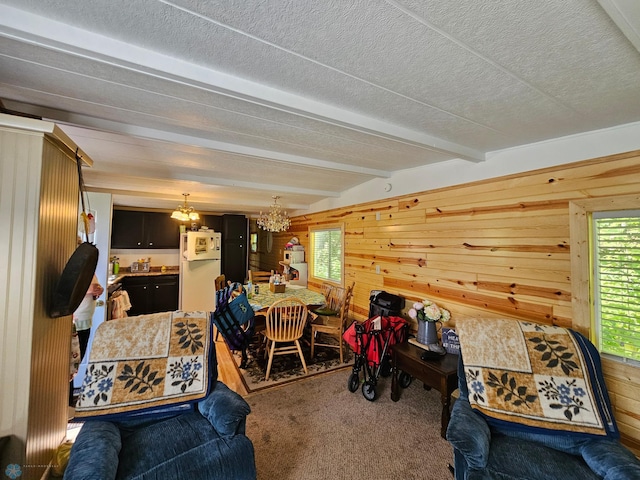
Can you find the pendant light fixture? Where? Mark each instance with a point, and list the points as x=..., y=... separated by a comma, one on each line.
x=275, y=220
x=185, y=213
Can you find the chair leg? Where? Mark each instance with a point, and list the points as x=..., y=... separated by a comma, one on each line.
x=313, y=340
x=271, y=352
x=267, y=345
x=304, y=364
x=340, y=347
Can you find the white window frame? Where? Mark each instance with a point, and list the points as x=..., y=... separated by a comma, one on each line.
x=311, y=259
x=582, y=265
x=597, y=297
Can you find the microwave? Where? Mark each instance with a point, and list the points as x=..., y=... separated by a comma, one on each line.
x=201, y=246
x=294, y=256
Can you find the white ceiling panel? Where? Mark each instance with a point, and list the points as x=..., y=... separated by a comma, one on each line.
x=235, y=101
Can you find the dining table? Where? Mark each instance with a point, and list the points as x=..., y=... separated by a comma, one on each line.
x=261, y=302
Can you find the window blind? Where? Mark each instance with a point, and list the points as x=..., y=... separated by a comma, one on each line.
x=617, y=276
x=327, y=254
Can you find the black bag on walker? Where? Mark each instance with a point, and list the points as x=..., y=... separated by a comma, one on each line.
x=385, y=304
x=234, y=319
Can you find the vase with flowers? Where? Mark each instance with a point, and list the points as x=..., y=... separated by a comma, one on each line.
x=428, y=314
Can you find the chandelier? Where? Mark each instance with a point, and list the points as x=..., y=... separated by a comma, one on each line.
x=275, y=220
x=185, y=213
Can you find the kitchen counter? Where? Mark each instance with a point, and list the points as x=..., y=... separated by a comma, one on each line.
x=155, y=271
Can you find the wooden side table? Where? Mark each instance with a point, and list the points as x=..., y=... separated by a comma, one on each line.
x=441, y=374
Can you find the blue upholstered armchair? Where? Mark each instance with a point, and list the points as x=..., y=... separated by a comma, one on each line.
x=483, y=452
x=154, y=408
x=208, y=442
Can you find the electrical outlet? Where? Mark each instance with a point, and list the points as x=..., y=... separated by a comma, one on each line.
x=378, y=269
x=378, y=218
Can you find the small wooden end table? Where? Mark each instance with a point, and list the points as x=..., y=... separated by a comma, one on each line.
x=441, y=374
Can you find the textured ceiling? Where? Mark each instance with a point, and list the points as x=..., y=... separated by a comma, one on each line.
x=235, y=101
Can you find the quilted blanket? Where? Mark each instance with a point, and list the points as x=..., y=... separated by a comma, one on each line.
x=147, y=363
x=536, y=377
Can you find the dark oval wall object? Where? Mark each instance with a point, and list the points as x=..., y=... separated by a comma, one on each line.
x=74, y=281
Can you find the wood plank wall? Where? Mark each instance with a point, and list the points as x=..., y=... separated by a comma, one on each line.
x=264, y=259
x=499, y=247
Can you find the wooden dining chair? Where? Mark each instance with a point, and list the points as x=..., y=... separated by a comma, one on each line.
x=220, y=282
x=256, y=276
x=339, y=300
x=285, y=324
x=334, y=296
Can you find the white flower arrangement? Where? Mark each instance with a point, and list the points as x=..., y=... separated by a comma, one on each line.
x=428, y=311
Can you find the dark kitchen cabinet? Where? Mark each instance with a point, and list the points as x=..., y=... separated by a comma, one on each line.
x=165, y=290
x=214, y=222
x=151, y=294
x=127, y=229
x=135, y=229
x=161, y=230
x=139, y=295
x=235, y=259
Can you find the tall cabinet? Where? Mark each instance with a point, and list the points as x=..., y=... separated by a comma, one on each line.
x=235, y=259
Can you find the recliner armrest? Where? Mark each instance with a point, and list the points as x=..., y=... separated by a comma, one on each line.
x=610, y=459
x=95, y=452
x=225, y=410
x=469, y=434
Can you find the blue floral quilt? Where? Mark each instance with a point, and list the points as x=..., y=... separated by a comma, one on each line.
x=147, y=363
x=533, y=377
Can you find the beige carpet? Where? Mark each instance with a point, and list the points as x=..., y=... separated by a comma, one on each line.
x=316, y=429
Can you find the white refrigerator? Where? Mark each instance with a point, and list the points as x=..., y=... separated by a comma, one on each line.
x=199, y=266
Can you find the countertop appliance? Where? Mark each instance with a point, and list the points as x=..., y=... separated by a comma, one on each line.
x=294, y=256
x=294, y=260
x=199, y=266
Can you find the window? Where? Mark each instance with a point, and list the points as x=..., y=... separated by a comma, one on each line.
x=616, y=282
x=254, y=242
x=326, y=253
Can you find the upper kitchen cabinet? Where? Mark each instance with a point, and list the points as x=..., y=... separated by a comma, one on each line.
x=161, y=230
x=213, y=222
x=148, y=230
x=127, y=229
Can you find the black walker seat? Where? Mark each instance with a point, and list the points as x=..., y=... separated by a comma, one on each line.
x=385, y=304
x=237, y=332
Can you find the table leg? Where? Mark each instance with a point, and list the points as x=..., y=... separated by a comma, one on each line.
x=395, y=385
x=445, y=398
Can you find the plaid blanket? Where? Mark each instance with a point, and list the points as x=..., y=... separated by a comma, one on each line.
x=148, y=363
x=536, y=377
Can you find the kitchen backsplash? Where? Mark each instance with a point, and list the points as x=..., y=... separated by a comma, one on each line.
x=158, y=257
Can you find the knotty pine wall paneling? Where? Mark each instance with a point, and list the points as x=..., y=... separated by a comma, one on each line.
x=498, y=247
x=264, y=259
